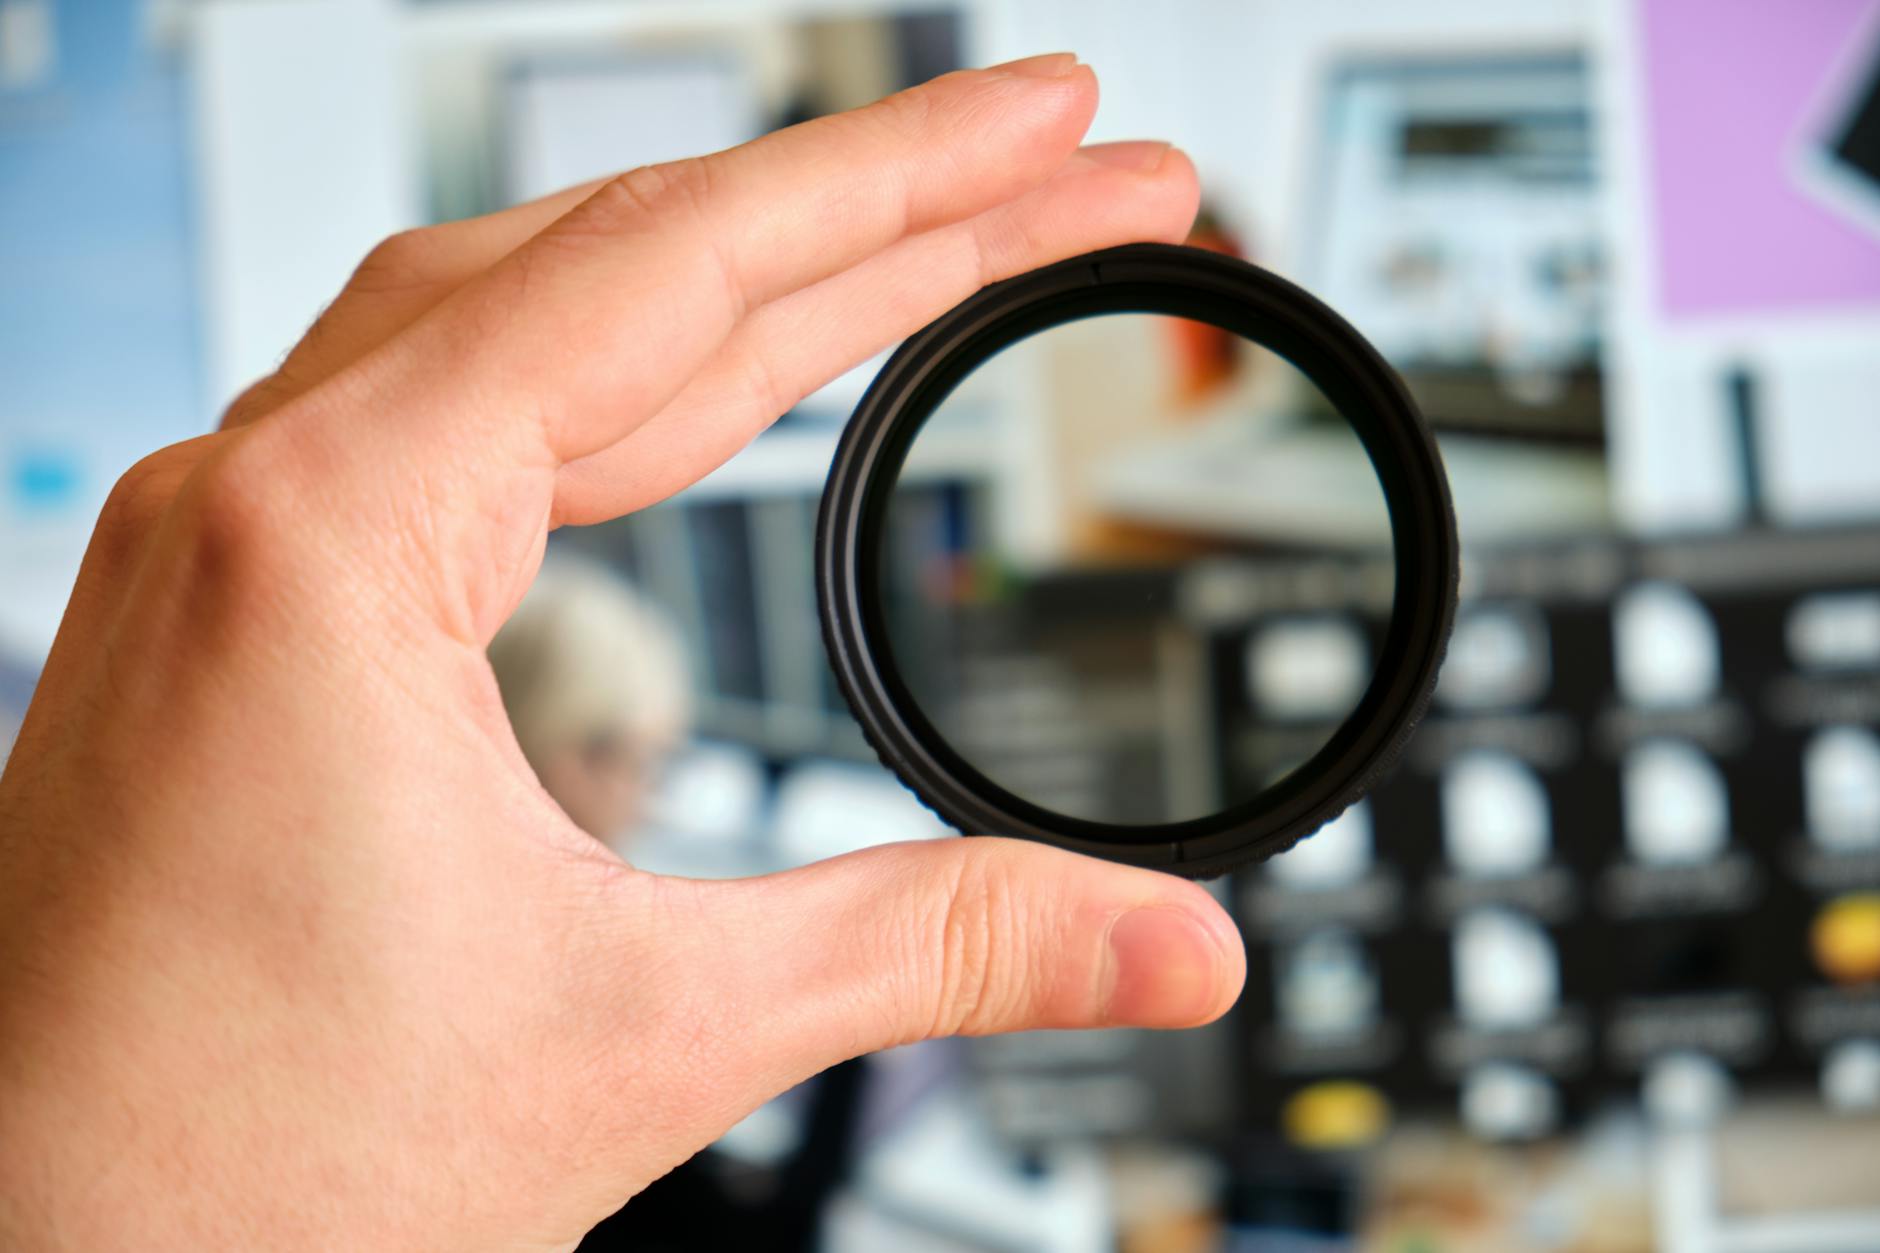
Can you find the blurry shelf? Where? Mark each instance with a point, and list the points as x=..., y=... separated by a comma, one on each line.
x=1315, y=487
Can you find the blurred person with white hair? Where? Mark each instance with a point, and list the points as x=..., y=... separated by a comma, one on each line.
x=597, y=686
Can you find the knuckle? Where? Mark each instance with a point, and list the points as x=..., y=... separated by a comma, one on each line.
x=397, y=262
x=675, y=194
x=654, y=192
x=136, y=502
x=142, y=491
x=765, y=385
x=904, y=115
x=980, y=983
x=1000, y=245
x=231, y=512
x=630, y=196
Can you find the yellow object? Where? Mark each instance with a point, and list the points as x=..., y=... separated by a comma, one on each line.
x=1846, y=938
x=1336, y=1114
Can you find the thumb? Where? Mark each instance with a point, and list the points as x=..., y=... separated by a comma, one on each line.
x=967, y=936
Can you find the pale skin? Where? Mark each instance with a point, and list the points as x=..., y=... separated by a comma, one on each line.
x=295, y=952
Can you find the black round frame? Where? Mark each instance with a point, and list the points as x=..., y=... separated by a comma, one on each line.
x=1183, y=282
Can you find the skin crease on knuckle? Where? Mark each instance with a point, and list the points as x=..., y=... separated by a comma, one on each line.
x=965, y=947
x=976, y=928
x=398, y=263
x=230, y=556
x=138, y=500
x=645, y=198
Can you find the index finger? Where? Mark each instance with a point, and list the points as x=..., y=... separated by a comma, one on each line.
x=602, y=317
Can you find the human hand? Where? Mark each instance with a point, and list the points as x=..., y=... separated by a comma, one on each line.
x=294, y=950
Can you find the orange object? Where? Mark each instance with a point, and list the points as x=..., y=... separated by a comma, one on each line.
x=1336, y=1114
x=1206, y=358
x=1845, y=938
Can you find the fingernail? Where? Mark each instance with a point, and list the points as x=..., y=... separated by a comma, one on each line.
x=1165, y=969
x=1137, y=154
x=1049, y=65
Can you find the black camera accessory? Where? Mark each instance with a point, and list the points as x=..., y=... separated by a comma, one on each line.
x=1181, y=282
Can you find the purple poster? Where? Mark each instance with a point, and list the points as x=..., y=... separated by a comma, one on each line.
x=1733, y=88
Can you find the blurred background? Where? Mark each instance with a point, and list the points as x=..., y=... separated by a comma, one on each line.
x=1596, y=968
